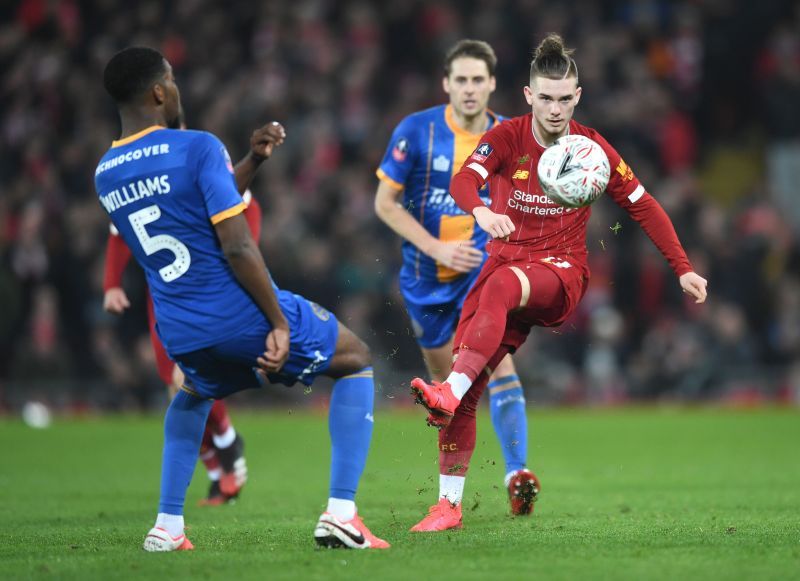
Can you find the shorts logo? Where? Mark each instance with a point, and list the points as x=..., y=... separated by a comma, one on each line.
x=624, y=171
x=400, y=150
x=483, y=151
x=322, y=313
x=521, y=174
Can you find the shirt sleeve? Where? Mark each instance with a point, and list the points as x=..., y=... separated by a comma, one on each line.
x=487, y=159
x=215, y=177
x=626, y=190
x=401, y=155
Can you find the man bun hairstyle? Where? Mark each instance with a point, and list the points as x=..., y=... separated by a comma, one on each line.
x=553, y=60
x=132, y=71
x=476, y=49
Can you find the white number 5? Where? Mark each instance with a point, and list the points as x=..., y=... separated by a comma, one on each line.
x=152, y=244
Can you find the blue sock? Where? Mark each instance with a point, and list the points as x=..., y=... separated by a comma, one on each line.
x=350, y=424
x=183, y=431
x=507, y=402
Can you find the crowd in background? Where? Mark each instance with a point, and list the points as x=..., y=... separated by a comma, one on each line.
x=699, y=96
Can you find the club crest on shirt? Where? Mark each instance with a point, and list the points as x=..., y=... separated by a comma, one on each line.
x=228, y=162
x=481, y=152
x=400, y=150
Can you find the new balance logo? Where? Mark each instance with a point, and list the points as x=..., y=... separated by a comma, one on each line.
x=521, y=174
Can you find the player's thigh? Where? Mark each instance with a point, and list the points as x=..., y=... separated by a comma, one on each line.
x=351, y=354
x=439, y=360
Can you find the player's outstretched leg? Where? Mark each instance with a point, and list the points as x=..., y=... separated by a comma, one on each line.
x=350, y=427
x=183, y=431
x=478, y=340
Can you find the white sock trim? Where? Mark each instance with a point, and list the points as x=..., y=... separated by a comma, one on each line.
x=215, y=474
x=451, y=488
x=172, y=523
x=225, y=439
x=459, y=383
x=342, y=509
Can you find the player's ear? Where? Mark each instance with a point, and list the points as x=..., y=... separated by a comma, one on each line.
x=528, y=94
x=159, y=94
x=492, y=84
x=446, y=84
x=578, y=92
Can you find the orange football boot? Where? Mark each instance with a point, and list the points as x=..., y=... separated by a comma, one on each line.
x=442, y=516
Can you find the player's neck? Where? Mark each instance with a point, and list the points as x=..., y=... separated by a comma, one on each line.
x=477, y=124
x=135, y=121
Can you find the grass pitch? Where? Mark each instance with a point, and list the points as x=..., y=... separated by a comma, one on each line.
x=626, y=494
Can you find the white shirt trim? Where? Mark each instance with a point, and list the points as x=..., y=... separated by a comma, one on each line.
x=636, y=194
x=480, y=169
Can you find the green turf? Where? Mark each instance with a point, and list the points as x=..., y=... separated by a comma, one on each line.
x=627, y=494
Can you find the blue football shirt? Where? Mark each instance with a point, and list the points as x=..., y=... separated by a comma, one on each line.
x=426, y=149
x=164, y=190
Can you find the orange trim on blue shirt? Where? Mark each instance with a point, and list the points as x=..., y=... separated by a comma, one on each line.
x=135, y=136
x=385, y=178
x=229, y=213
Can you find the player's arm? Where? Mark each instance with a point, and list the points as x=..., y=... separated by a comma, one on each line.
x=461, y=256
x=626, y=190
x=115, y=300
x=248, y=266
x=262, y=141
x=469, y=180
x=658, y=227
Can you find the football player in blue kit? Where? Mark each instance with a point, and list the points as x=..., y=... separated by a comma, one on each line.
x=173, y=198
x=442, y=255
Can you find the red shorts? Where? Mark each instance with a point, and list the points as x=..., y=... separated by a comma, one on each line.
x=563, y=282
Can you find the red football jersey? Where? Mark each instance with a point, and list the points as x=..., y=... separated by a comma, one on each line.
x=508, y=156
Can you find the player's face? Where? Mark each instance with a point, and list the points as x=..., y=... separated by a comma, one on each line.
x=553, y=102
x=172, y=99
x=469, y=85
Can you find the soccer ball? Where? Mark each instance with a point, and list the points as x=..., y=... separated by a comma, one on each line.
x=574, y=171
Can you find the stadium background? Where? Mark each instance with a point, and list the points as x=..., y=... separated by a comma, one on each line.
x=700, y=97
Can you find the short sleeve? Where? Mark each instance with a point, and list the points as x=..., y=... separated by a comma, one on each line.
x=400, y=155
x=215, y=177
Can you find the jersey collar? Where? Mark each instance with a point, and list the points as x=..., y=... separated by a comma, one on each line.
x=451, y=122
x=135, y=136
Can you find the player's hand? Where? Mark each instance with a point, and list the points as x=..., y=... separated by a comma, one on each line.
x=265, y=139
x=695, y=285
x=277, y=351
x=115, y=301
x=459, y=255
x=496, y=225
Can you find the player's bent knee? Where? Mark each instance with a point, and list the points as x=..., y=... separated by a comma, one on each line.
x=351, y=355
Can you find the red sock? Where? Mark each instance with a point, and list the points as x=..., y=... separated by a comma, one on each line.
x=218, y=419
x=457, y=440
x=208, y=454
x=500, y=294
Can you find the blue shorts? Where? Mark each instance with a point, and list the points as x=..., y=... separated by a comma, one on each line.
x=434, y=307
x=227, y=367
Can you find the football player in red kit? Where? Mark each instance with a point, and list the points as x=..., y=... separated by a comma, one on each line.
x=537, y=269
x=222, y=449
